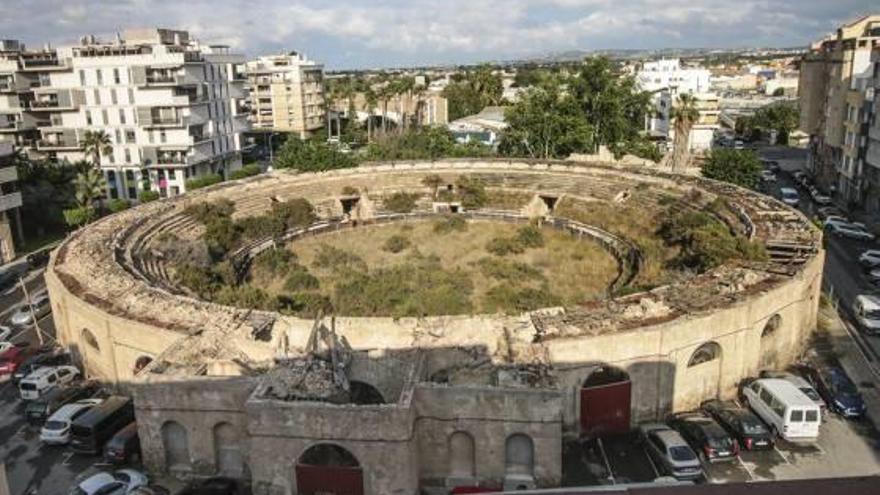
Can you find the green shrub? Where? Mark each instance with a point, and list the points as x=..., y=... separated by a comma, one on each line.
x=502, y=246
x=203, y=181
x=117, y=205
x=472, y=191
x=508, y=298
x=275, y=260
x=221, y=236
x=305, y=304
x=200, y=280
x=513, y=271
x=396, y=244
x=450, y=223
x=79, y=216
x=297, y=212
x=246, y=171
x=205, y=211
x=245, y=296
x=530, y=236
x=300, y=279
x=261, y=227
x=400, y=202
x=147, y=196
x=333, y=258
x=705, y=242
x=350, y=191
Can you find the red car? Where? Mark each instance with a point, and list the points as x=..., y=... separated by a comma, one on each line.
x=11, y=360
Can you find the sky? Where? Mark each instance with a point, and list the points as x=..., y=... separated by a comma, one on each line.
x=347, y=34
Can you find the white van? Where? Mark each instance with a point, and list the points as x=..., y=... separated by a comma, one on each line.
x=42, y=380
x=866, y=309
x=56, y=431
x=790, y=414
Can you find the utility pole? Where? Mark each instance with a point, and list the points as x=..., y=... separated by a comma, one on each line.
x=27, y=298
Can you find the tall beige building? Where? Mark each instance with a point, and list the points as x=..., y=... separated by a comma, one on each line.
x=287, y=94
x=834, y=99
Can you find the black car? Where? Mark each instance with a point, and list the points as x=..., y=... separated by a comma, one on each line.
x=38, y=259
x=836, y=389
x=741, y=424
x=43, y=357
x=124, y=446
x=705, y=436
x=38, y=411
x=213, y=486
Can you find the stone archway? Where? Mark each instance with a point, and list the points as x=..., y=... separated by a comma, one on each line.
x=462, y=458
x=606, y=401
x=519, y=455
x=227, y=451
x=328, y=469
x=175, y=442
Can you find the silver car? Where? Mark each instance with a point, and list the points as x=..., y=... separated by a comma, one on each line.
x=22, y=316
x=671, y=453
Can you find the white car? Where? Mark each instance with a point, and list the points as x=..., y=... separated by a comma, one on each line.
x=819, y=198
x=768, y=176
x=789, y=196
x=850, y=230
x=56, y=430
x=121, y=482
x=42, y=380
x=22, y=316
x=870, y=258
x=866, y=309
x=5, y=333
x=801, y=383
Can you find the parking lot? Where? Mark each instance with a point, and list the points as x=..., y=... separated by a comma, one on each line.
x=845, y=448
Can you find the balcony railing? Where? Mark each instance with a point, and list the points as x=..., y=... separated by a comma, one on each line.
x=10, y=201
x=58, y=144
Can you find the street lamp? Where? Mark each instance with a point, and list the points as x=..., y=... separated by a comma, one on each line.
x=271, y=135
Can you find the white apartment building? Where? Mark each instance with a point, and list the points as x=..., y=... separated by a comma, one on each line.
x=669, y=74
x=171, y=107
x=287, y=94
x=18, y=75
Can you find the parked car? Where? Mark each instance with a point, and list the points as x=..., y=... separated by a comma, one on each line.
x=90, y=432
x=820, y=198
x=22, y=316
x=124, y=446
x=825, y=212
x=37, y=411
x=789, y=413
x=56, y=430
x=8, y=348
x=5, y=333
x=38, y=259
x=121, y=482
x=789, y=196
x=866, y=310
x=705, y=436
x=848, y=230
x=11, y=361
x=870, y=258
x=670, y=451
x=802, y=384
x=768, y=176
x=841, y=394
x=45, y=357
x=212, y=486
x=742, y=424
x=41, y=381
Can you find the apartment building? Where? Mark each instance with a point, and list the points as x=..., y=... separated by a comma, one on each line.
x=19, y=74
x=666, y=79
x=286, y=94
x=835, y=98
x=872, y=153
x=171, y=107
x=10, y=202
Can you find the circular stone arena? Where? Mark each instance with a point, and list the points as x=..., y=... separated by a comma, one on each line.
x=549, y=283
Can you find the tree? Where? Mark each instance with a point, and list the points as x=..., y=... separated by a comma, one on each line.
x=740, y=167
x=311, y=156
x=90, y=186
x=472, y=92
x=781, y=117
x=47, y=189
x=96, y=144
x=546, y=123
x=684, y=114
x=612, y=103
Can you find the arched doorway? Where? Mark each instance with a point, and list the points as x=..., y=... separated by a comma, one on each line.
x=704, y=370
x=606, y=401
x=176, y=444
x=328, y=469
x=462, y=460
x=141, y=363
x=227, y=451
x=519, y=456
x=770, y=343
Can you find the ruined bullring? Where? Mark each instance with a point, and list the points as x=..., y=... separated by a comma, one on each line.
x=398, y=401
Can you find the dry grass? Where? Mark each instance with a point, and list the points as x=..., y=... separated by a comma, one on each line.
x=574, y=270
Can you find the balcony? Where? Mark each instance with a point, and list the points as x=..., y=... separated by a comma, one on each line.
x=60, y=140
x=10, y=201
x=152, y=77
x=44, y=63
x=8, y=174
x=57, y=100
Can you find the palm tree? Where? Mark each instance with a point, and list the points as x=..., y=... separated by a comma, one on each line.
x=90, y=186
x=371, y=99
x=97, y=143
x=685, y=115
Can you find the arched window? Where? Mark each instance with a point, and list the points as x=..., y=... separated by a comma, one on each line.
x=328, y=454
x=90, y=339
x=709, y=351
x=519, y=455
x=364, y=394
x=462, y=460
x=141, y=363
x=772, y=325
x=227, y=450
x=605, y=375
x=176, y=444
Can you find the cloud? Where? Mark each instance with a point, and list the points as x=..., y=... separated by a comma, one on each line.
x=390, y=32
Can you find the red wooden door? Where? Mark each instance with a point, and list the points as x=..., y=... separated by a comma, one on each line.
x=329, y=480
x=606, y=408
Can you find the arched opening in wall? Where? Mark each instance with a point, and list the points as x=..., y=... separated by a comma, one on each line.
x=519, y=456
x=327, y=468
x=141, y=363
x=227, y=451
x=349, y=204
x=710, y=351
x=175, y=442
x=89, y=338
x=549, y=201
x=606, y=401
x=364, y=394
x=462, y=458
x=704, y=372
x=769, y=343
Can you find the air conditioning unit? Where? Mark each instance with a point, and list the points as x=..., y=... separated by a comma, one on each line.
x=516, y=482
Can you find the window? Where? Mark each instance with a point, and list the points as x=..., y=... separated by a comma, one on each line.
x=812, y=416
x=130, y=136
x=150, y=137
x=766, y=397
x=111, y=156
x=105, y=117
x=796, y=416
x=100, y=77
x=131, y=96
x=778, y=408
x=162, y=137
x=89, y=338
x=116, y=79
x=709, y=351
x=97, y=97
x=113, y=100
x=82, y=77
x=127, y=155
x=122, y=116
x=118, y=136
x=88, y=117
x=772, y=325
